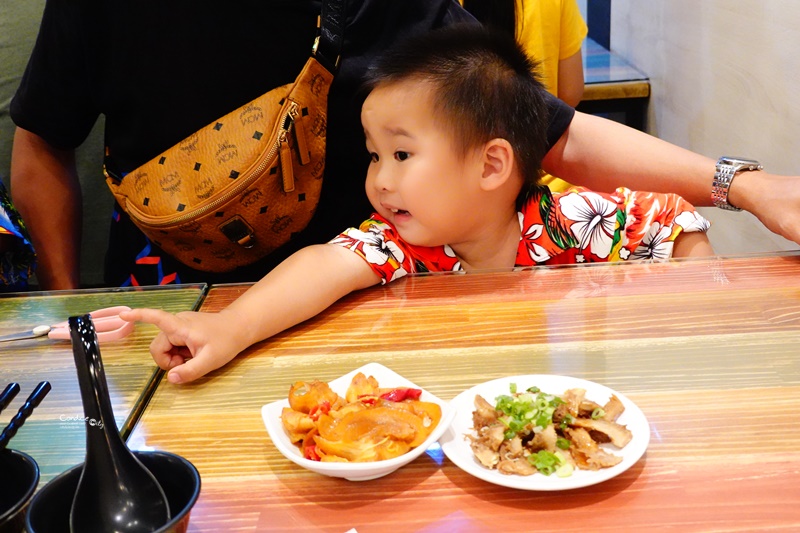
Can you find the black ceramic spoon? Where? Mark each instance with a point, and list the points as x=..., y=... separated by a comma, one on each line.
x=24, y=412
x=115, y=493
x=8, y=394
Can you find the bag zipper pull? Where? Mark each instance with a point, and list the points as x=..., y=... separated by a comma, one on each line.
x=300, y=135
x=285, y=155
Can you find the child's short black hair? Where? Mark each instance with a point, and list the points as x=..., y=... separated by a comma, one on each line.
x=484, y=87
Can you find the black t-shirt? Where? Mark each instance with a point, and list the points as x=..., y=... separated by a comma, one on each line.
x=161, y=69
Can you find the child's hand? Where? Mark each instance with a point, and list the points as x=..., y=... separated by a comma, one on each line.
x=190, y=344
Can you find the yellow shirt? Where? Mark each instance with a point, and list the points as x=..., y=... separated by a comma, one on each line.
x=550, y=30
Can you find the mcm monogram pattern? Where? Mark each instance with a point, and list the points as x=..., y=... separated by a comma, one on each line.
x=235, y=190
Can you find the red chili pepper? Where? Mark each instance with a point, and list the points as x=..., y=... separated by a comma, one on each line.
x=310, y=452
x=310, y=446
x=367, y=399
x=319, y=410
x=400, y=394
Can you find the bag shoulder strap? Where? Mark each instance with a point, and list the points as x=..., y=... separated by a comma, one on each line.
x=328, y=48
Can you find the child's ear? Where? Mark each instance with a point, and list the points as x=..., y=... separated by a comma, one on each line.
x=498, y=164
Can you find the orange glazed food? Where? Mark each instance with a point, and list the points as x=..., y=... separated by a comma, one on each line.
x=369, y=424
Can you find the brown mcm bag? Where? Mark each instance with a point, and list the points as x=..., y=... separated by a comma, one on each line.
x=234, y=191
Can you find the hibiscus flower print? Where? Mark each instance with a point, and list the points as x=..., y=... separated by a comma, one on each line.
x=451, y=254
x=375, y=249
x=656, y=244
x=593, y=221
x=397, y=273
x=436, y=259
x=536, y=251
x=692, y=221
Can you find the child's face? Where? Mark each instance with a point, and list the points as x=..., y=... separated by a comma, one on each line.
x=417, y=179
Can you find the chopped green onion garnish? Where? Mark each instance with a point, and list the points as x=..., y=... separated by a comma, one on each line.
x=526, y=412
x=545, y=462
x=598, y=413
x=565, y=470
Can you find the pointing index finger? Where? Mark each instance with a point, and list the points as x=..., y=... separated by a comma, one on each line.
x=163, y=320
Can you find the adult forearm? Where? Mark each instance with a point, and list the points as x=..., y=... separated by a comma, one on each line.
x=570, y=79
x=601, y=154
x=46, y=191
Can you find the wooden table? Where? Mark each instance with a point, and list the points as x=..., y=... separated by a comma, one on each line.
x=52, y=435
x=706, y=348
x=612, y=85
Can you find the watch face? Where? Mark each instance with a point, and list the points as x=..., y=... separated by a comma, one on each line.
x=738, y=161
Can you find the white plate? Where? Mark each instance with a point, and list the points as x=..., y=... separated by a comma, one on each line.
x=271, y=413
x=457, y=448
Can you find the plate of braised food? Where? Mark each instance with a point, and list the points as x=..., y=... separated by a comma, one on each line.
x=363, y=425
x=545, y=432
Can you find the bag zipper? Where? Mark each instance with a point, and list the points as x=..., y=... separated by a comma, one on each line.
x=280, y=148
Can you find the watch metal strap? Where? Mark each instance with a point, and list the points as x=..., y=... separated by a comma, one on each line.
x=719, y=189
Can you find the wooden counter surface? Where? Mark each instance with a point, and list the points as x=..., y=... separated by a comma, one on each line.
x=707, y=349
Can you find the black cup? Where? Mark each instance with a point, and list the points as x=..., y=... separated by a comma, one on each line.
x=49, y=510
x=20, y=478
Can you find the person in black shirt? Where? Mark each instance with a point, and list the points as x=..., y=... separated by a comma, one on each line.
x=159, y=71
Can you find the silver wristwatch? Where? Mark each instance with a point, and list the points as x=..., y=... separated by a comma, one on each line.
x=727, y=168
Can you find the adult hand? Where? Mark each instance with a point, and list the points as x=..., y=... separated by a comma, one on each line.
x=190, y=344
x=773, y=199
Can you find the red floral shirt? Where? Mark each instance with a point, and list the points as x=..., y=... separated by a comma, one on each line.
x=575, y=226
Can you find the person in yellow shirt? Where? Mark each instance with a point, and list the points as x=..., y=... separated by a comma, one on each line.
x=552, y=33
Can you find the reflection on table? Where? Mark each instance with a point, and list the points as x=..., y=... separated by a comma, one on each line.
x=55, y=434
x=706, y=348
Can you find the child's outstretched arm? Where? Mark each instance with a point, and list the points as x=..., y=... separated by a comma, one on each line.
x=191, y=344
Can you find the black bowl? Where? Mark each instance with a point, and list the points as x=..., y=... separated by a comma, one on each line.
x=49, y=509
x=20, y=478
